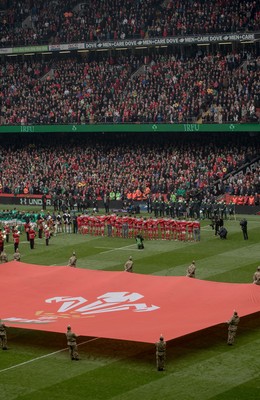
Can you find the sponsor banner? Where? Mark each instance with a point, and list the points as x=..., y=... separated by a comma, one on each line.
x=120, y=127
x=30, y=49
x=68, y=46
x=129, y=43
x=161, y=41
x=6, y=50
x=216, y=38
x=117, y=305
x=54, y=47
x=76, y=46
x=35, y=201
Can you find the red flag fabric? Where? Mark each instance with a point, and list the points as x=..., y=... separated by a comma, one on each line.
x=117, y=305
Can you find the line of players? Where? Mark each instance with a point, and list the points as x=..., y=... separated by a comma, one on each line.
x=108, y=225
x=129, y=227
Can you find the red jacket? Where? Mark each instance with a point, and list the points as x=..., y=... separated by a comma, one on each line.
x=16, y=237
x=32, y=234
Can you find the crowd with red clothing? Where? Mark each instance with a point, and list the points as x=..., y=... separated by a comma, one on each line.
x=122, y=166
x=170, y=88
x=64, y=21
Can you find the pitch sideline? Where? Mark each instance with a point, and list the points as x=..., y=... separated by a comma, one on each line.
x=44, y=356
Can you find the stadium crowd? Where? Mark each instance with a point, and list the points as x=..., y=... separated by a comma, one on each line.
x=160, y=88
x=34, y=22
x=171, y=86
x=92, y=169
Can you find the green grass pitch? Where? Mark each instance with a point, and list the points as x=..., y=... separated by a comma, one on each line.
x=199, y=366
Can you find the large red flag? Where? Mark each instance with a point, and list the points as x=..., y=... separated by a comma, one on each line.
x=118, y=305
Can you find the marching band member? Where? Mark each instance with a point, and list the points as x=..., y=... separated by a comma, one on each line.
x=32, y=235
x=7, y=232
x=2, y=239
x=16, y=238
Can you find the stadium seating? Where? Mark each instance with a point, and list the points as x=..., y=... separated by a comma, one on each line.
x=208, y=88
x=63, y=21
x=94, y=168
x=173, y=85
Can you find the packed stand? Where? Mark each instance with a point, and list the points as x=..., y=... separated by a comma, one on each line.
x=29, y=22
x=65, y=22
x=70, y=93
x=95, y=168
x=203, y=17
x=165, y=89
x=243, y=188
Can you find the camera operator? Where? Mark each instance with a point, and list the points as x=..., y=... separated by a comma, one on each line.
x=139, y=240
x=222, y=233
x=243, y=224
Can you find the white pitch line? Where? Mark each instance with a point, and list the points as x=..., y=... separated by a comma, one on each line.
x=99, y=247
x=130, y=245
x=46, y=355
x=11, y=244
x=118, y=248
